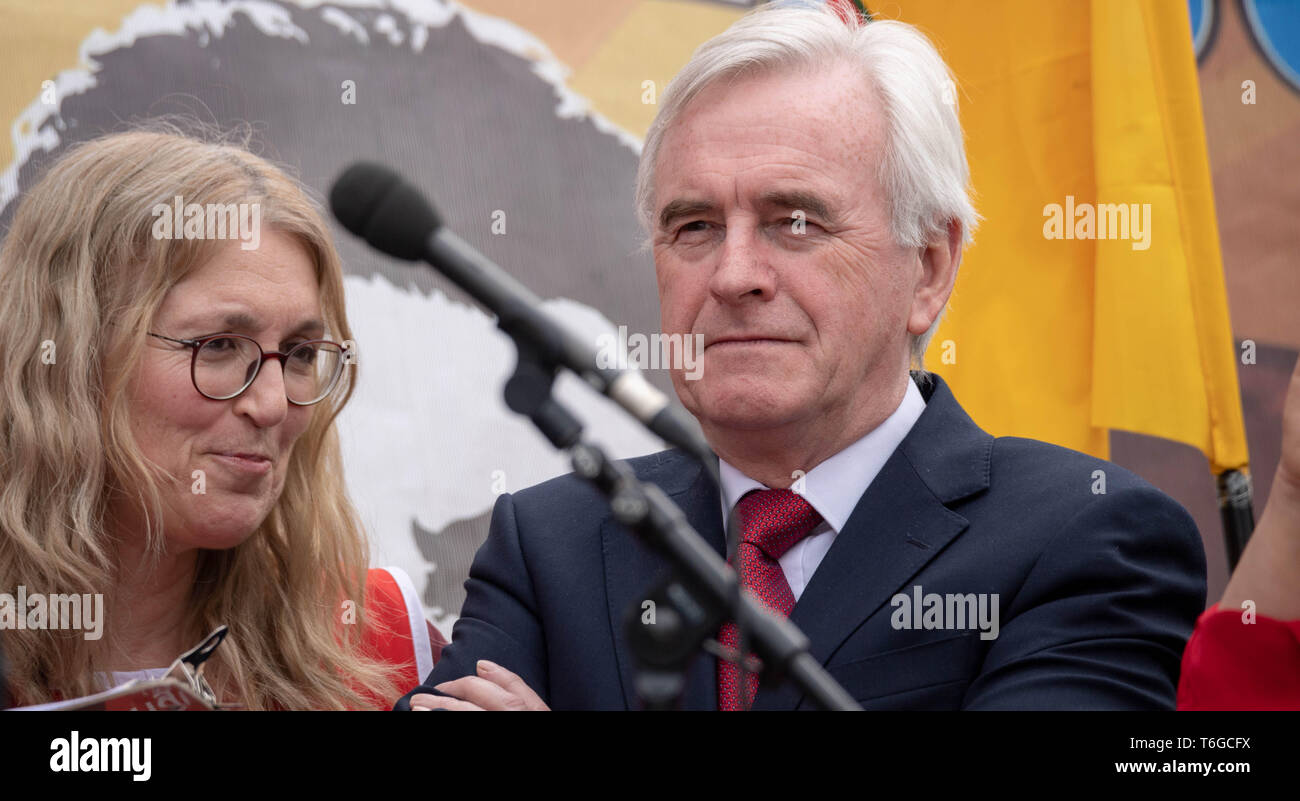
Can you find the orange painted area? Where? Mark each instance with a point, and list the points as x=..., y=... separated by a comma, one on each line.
x=653, y=42
x=41, y=39
x=572, y=29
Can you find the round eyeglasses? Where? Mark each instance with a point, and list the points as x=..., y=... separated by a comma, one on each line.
x=224, y=365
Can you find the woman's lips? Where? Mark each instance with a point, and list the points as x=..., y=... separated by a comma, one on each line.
x=249, y=463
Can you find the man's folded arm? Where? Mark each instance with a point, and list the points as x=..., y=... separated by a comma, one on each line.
x=1103, y=615
x=498, y=621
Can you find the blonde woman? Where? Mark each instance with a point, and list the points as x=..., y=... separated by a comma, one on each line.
x=172, y=359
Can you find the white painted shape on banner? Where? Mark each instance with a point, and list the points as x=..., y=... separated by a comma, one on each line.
x=345, y=24
x=427, y=424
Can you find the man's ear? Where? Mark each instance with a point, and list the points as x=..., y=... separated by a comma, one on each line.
x=939, y=262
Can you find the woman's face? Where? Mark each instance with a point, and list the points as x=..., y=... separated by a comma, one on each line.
x=226, y=459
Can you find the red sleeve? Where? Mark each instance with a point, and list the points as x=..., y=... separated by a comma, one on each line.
x=1232, y=664
x=400, y=634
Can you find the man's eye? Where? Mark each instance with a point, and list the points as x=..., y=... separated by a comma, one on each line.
x=692, y=226
x=795, y=222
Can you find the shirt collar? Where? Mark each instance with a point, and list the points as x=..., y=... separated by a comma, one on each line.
x=835, y=486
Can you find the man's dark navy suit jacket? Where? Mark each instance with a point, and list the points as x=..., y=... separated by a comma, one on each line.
x=1098, y=593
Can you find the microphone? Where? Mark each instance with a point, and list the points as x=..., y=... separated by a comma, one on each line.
x=392, y=216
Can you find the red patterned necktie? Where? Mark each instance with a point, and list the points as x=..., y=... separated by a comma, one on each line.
x=771, y=522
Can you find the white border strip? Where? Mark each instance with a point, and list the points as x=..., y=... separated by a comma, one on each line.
x=419, y=625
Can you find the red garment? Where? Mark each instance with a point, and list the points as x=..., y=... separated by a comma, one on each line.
x=1230, y=664
x=403, y=637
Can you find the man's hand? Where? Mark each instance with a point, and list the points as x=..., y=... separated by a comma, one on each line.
x=494, y=688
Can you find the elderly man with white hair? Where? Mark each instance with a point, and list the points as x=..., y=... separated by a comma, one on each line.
x=804, y=188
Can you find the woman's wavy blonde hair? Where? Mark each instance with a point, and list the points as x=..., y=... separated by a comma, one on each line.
x=81, y=278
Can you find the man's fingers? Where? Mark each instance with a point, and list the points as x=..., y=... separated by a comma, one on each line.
x=512, y=684
x=493, y=688
x=483, y=693
x=424, y=701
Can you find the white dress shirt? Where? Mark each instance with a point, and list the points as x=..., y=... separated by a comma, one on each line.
x=832, y=487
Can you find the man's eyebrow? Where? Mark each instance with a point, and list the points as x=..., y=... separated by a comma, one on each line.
x=799, y=201
x=783, y=199
x=682, y=208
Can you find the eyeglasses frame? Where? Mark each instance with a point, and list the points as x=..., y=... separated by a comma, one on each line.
x=197, y=343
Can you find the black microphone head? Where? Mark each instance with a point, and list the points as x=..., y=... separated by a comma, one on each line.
x=377, y=205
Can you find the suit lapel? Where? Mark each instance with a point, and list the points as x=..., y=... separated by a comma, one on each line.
x=880, y=548
x=632, y=570
x=901, y=522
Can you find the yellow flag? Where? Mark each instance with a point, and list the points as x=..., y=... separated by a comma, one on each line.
x=1094, y=297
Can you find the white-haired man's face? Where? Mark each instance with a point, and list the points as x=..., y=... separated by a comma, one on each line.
x=772, y=240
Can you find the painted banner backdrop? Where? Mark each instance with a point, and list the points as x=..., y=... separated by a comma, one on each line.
x=522, y=120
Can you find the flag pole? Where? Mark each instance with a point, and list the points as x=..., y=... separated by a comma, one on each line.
x=1236, y=495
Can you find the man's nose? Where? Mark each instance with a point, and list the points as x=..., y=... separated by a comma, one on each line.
x=742, y=271
x=265, y=402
